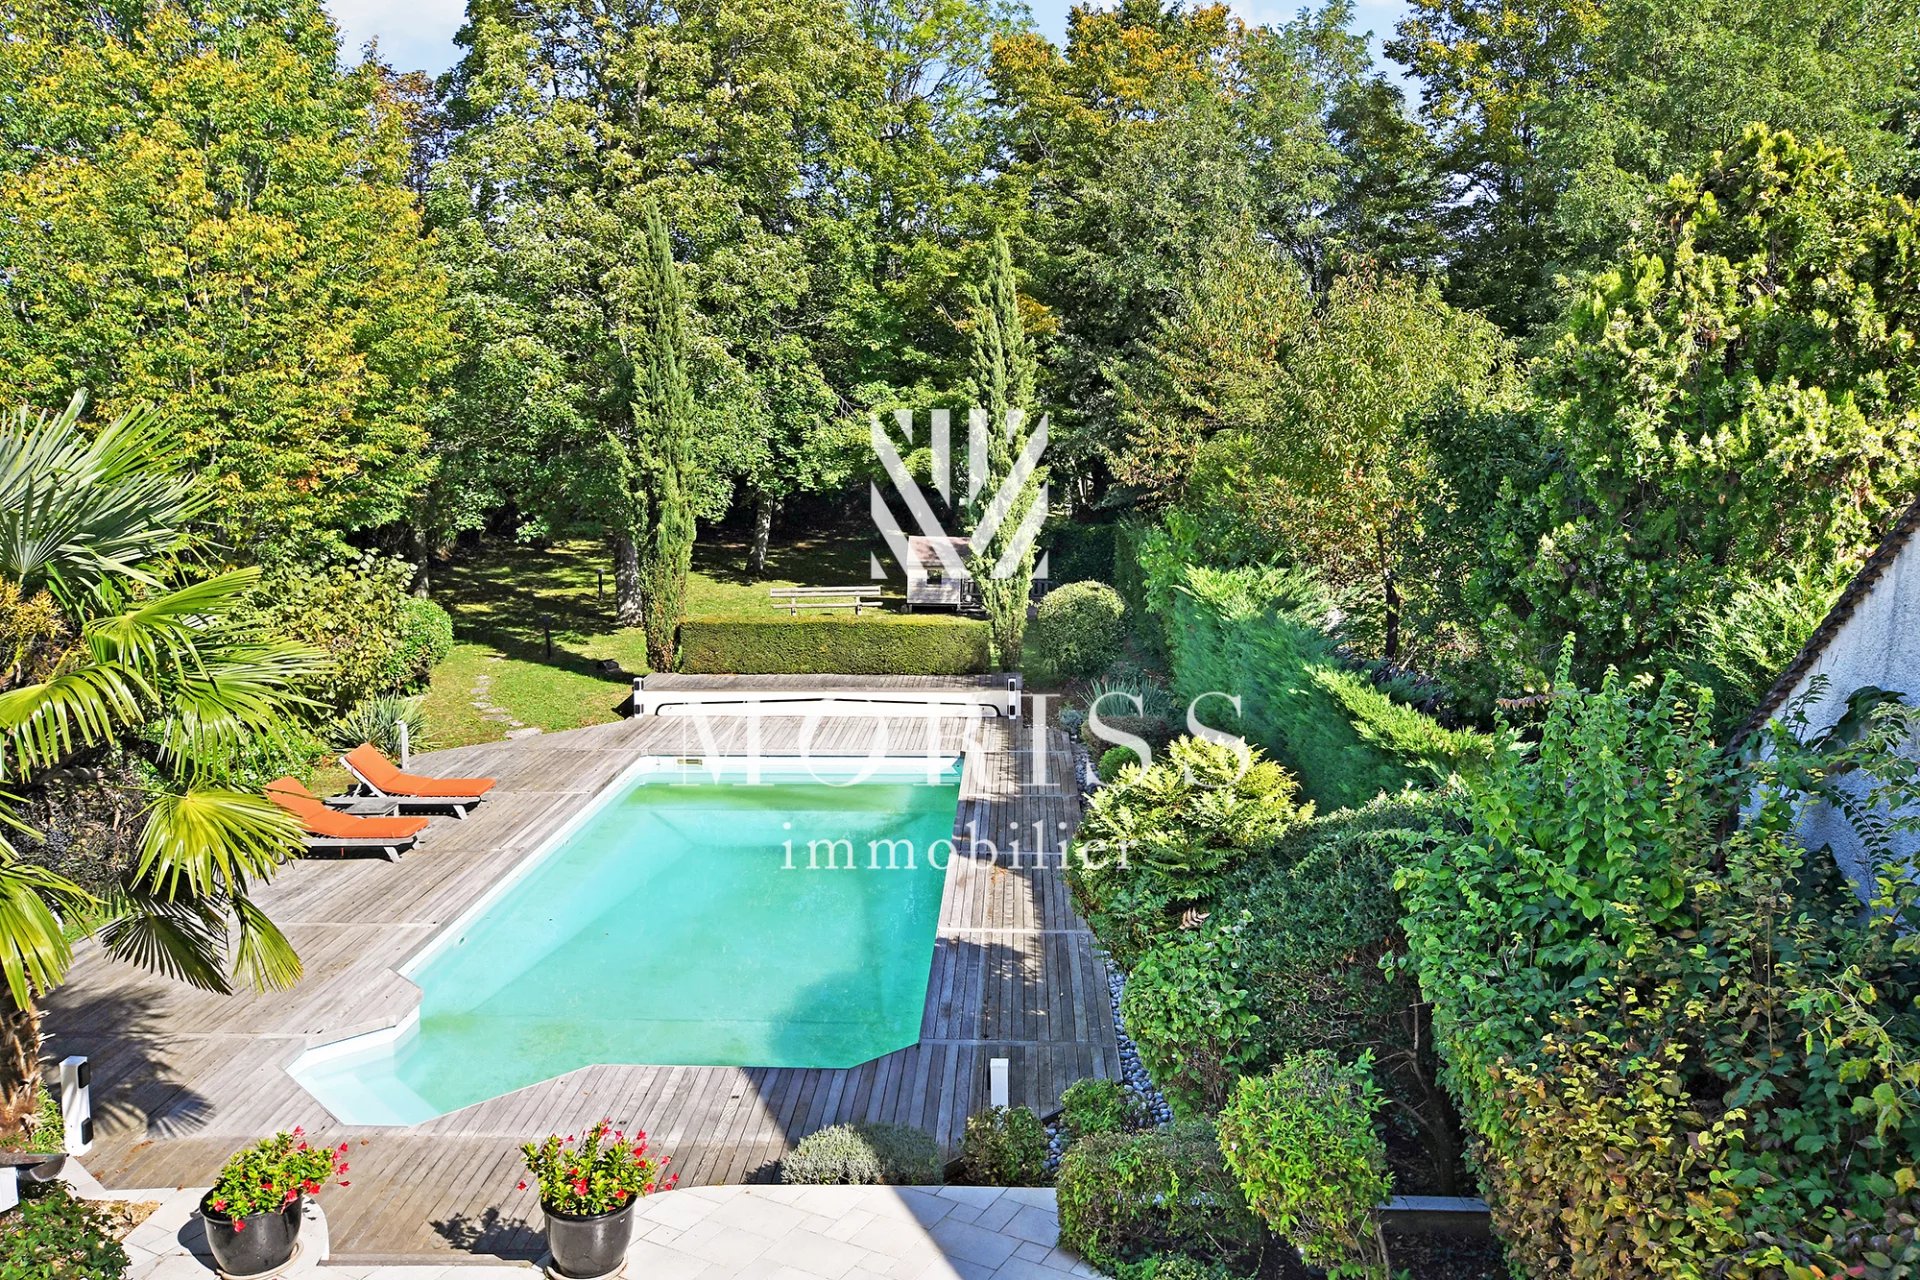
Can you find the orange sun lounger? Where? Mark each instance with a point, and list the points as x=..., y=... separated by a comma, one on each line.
x=327, y=829
x=411, y=790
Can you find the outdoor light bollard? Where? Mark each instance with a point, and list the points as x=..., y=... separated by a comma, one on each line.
x=405, y=738
x=76, y=1103
x=997, y=1093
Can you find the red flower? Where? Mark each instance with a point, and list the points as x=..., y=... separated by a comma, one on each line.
x=620, y=1195
x=522, y=1186
x=311, y=1187
x=346, y=1184
x=343, y=1148
x=580, y=1187
x=647, y=1190
x=239, y=1224
x=342, y=1168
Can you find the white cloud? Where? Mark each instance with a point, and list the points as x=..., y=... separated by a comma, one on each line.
x=413, y=34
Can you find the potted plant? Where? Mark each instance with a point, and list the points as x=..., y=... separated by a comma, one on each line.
x=252, y=1214
x=588, y=1190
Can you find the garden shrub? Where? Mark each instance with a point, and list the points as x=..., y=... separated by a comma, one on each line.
x=1160, y=838
x=1679, y=1046
x=1005, y=1147
x=426, y=638
x=54, y=1235
x=882, y=644
x=377, y=720
x=1077, y=630
x=1097, y=1106
x=1301, y=1141
x=1173, y=1266
x=1129, y=1197
x=1187, y=1007
x=349, y=609
x=1256, y=633
x=1113, y=760
x=864, y=1155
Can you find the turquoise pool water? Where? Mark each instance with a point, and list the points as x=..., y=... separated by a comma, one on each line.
x=682, y=923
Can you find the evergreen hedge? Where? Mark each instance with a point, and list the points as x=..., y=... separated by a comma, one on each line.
x=877, y=645
x=1254, y=632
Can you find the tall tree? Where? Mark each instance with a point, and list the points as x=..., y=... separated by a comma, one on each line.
x=567, y=120
x=1559, y=119
x=1004, y=371
x=1158, y=135
x=1723, y=424
x=199, y=211
x=112, y=667
x=655, y=445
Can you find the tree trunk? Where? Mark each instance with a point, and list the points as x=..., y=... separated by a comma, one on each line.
x=19, y=1060
x=626, y=581
x=762, y=529
x=422, y=556
x=1390, y=645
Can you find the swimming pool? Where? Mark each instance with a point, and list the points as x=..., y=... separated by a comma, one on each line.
x=709, y=914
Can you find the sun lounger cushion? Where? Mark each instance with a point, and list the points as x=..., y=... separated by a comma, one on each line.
x=379, y=772
x=324, y=822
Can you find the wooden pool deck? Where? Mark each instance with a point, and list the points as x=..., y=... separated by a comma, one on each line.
x=181, y=1077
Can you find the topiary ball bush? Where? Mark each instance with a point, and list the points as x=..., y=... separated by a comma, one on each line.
x=1127, y=1197
x=1005, y=1147
x=1114, y=759
x=1097, y=1106
x=1079, y=628
x=864, y=1155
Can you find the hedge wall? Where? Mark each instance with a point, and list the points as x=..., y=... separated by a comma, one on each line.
x=874, y=645
x=1246, y=631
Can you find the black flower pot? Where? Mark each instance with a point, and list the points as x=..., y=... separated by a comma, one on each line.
x=592, y=1245
x=253, y=1245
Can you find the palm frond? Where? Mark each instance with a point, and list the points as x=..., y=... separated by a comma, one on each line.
x=234, y=695
x=79, y=510
x=208, y=842
x=262, y=955
x=184, y=939
x=83, y=706
x=34, y=952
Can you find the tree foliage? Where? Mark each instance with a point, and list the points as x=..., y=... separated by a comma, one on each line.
x=199, y=212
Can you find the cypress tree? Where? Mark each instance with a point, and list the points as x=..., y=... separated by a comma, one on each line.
x=1003, y=369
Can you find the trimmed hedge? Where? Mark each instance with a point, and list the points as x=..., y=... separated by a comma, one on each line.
x=879, y=645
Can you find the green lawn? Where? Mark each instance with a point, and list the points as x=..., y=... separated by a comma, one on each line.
x=504, y=598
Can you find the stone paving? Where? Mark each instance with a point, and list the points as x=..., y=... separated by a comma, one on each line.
x=728, y=1233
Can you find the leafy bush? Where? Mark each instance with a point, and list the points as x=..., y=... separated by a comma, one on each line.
x=273, y=1173
x=1078, y=629
x=601, y=1172
x=1302, y=1143
x=864, y=1155
x=1097, y=1106
x=1256, y=633
x=1005, y=1147
x=1173, y=1266
x=52, y=1234
x=1114, y=759
x=1161, y=837
x=1655, y=1019
x=883, y=644
x=377, y=720
x=350, y=609
x=1127, y=1197
x=1188, y=1010
x=426, y=638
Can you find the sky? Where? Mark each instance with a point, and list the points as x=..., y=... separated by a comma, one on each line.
x=418, y=34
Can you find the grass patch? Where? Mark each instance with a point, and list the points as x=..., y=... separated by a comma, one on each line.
x=505, y=598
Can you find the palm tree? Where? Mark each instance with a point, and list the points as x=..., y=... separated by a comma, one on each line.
x=111, y=646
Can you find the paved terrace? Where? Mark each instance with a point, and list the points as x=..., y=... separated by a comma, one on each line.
x=184, y=1077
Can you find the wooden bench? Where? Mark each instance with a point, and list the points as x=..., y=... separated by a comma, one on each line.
x=797, y=598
